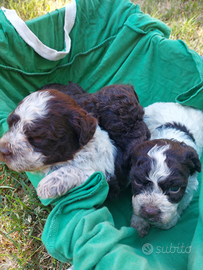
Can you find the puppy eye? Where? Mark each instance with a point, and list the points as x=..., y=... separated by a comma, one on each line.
x=174, y=190
x=142, y=161
x=138, y=182
x=12, y=119
x=35, y=140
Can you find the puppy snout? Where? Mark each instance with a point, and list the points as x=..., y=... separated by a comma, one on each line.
x=4, y=152
x=150, y=212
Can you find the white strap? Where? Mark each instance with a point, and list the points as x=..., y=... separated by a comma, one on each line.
x=29, y=37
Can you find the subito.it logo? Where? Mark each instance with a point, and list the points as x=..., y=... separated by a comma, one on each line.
x=147, y=249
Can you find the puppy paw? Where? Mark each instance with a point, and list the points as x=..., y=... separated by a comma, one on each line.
x=140, y=225
x=51, y=186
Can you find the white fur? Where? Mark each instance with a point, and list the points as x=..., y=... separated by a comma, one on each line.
x=38, y=101
x=155, y=116
x=140, y=225
x=155, y=197
x=159, y=169
x=24, y=158
x=97, y=155
x=160, y=113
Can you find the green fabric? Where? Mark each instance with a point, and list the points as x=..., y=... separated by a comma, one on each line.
x=112, y=42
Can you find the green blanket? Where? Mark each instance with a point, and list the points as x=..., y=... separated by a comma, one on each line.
x=112, y=42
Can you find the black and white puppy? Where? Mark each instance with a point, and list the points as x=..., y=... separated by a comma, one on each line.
x=51, y=133
x=164, y=169
x=118, y=111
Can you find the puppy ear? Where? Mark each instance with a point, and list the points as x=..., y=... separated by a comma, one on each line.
x=133, y=90
x=75, y=88
x=130, y=155
x=191, y=159
x=136, y=150
x=85, y=126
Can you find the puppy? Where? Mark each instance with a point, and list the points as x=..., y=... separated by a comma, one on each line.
x=164, y=169
x=50, y=133
x=117, y=109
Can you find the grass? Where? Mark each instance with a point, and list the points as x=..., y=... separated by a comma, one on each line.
x=22, y=221
x=29, y=9
x=21, y=213
x=184, y=17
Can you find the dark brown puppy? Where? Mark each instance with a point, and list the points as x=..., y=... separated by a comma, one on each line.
x=118, y=112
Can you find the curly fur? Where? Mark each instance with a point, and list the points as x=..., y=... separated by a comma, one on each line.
x=51, y=133
x=117, y=109
x=164, y=169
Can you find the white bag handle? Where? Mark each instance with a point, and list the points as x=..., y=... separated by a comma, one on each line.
x=31, y=39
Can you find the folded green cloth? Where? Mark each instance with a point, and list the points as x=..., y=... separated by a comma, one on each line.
x=112, y=42
x=95, y=236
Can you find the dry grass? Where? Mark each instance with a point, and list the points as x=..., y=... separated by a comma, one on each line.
x=184, y=17
x=29, y=9
x=22, y=222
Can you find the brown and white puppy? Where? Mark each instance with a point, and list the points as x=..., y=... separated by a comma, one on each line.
x=118, y=111
x=164, y=169
x=49, y=132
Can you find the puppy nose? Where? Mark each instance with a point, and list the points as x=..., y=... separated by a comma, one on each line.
x=150, y=211
x=5, y=151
